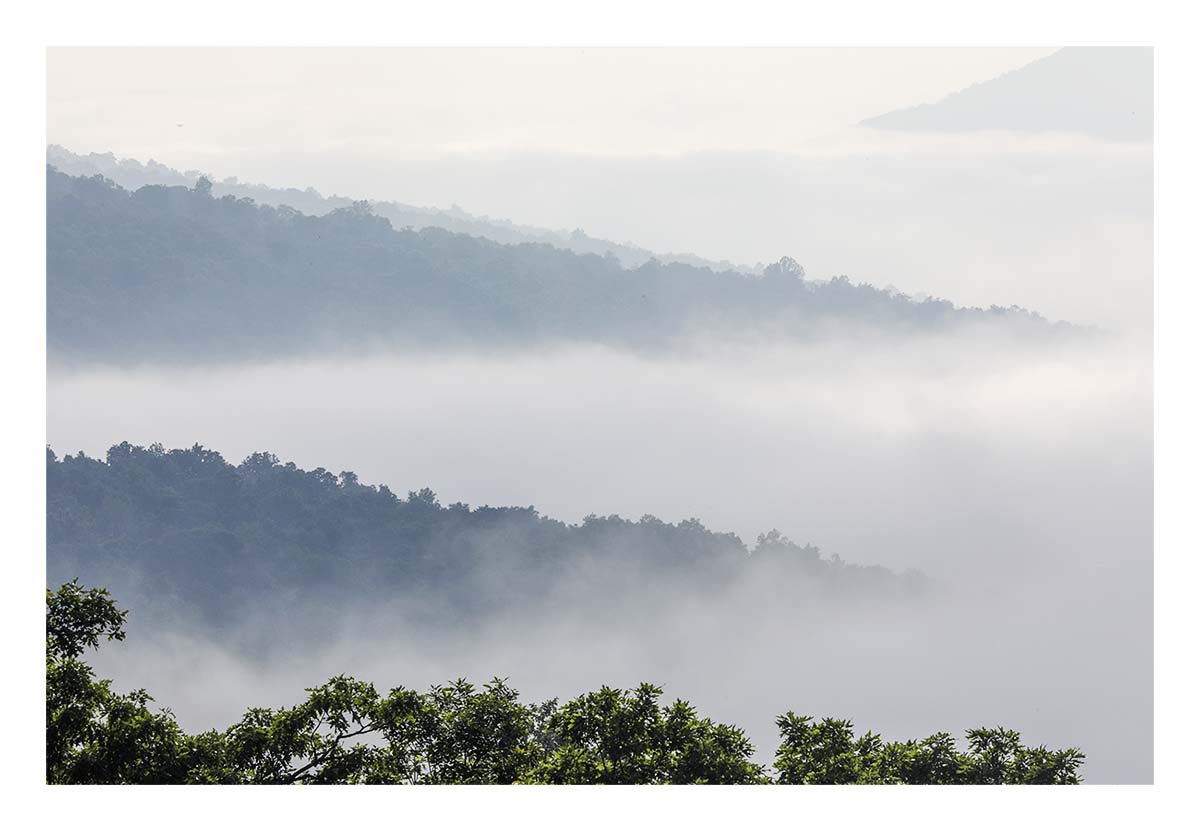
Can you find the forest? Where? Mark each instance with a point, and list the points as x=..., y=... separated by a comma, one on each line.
x=173, y=273
x=131, y=175
x=209, y=540
x=347, y=732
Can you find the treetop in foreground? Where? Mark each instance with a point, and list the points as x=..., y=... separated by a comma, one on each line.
x=346, y=732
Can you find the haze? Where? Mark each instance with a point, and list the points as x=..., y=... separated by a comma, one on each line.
x=739, y=155
x=1013, y=470
x=1018, y=480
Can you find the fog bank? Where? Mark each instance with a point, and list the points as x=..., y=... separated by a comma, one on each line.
x=1020, y=478
x=884, y=453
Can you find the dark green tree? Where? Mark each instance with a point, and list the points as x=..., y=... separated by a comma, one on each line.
x=94, y=735
x=827, y=753
x=346, y=732
x=626, y=737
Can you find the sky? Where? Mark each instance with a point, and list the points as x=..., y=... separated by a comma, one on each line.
x=203, y=107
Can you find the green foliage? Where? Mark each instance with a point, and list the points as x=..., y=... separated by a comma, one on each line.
x=306, y=743
x=77, y=618
x=345, y=732
x=454, y=734
x=94, y=735
x=827, y=753
x=997, y=757
x=612, y=737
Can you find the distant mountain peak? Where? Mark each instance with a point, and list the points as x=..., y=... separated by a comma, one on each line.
x=1102, y=92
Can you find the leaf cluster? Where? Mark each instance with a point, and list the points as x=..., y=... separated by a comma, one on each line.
x=346, y=732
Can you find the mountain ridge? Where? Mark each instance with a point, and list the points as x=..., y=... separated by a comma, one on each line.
x=172, y=271
x=132, y=174
x=1104, y=92
x=199, y=535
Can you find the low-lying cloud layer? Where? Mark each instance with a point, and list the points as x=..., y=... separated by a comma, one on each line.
x=1019, y=478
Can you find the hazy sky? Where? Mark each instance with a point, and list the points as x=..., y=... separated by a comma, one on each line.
x=196, y=106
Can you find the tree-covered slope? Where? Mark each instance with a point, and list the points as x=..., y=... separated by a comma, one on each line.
x=132, y=174
x=209, y=540
x=174, y=273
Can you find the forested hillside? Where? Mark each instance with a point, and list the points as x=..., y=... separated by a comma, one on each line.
x=132, y=174
x=174, y=273
x=210, y=540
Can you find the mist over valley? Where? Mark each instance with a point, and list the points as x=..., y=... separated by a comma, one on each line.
x=858, y=425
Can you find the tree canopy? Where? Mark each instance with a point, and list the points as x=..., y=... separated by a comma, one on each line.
x=346, y=732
